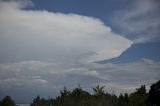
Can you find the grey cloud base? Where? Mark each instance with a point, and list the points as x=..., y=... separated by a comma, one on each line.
x=46, y=79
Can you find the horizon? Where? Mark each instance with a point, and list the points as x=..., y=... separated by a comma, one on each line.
x=80, y=87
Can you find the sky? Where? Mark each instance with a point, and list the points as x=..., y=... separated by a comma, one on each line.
x=48, y=44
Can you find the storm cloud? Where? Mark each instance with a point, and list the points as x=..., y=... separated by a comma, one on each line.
x=42, y=35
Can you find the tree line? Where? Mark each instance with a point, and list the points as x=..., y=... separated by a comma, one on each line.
x=80, y=97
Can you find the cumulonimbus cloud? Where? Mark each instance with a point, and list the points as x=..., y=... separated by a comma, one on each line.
x=42, y=35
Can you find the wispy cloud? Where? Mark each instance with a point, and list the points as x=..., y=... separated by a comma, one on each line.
x=140, y=21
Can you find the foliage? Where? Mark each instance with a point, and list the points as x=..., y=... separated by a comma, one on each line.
x=7, y=101
x=80, y=97
x=99, y=90
x=154, y=94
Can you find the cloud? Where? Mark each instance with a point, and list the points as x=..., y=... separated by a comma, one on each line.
x=41, y=35
x=27, y=76
x=139, y=21
x=41, y=51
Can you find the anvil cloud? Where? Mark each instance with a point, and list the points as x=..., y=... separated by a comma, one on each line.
x=42, y=35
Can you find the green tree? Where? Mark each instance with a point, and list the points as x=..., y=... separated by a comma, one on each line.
x=64, y=92
x=0, y=103
x=139, y=97
x=124, y=100
x=7, y=101
x=141, y=91
x=64, y=97
x=38, y=101
x=154, y=94
x=79, y=96
x=99, y=95
x=98, y=90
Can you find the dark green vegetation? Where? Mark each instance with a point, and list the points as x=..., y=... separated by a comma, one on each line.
x=79, y=97
x=7, y=101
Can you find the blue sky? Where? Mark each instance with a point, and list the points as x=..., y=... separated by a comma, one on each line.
x=103, y=9
x=48, y=44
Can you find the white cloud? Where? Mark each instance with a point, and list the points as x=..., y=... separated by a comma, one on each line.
x=140, y=21
x=42, y=35
x=45, y=75
x=16, y=83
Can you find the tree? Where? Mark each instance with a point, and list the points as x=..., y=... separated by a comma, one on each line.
x=141, y=91
x=139, y=97
x=0, y=103
x=99, y=95
x=7, y=101
x=154, y=94
x=38, y=101
x=98, y=90
x=79, y=96
x=64, y=92
x=63, y=99
x=124, y=100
